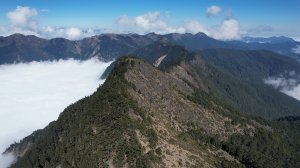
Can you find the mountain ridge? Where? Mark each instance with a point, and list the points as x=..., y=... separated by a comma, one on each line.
x=137, y=120
x=107, y=47
x=235, y=75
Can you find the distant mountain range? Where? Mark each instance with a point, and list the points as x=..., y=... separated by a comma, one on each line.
x=20, y=48
x=274, y=39
x=177, y=100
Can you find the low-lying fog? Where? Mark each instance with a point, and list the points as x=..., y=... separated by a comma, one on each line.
x=34, y=94
x=288, y=83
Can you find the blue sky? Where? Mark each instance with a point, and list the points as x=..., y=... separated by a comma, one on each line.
x=253, y=17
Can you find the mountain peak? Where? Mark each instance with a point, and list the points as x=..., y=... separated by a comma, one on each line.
x=21, y=36
x=151, y=34
x=16, y=35
x=200, y=34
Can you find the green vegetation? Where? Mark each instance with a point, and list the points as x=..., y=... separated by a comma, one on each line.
x=250, y=97
x=107, y=127
x=237, y=76
x=94, y=131
x=264, y=149
x=174, y=53
x=275, y=146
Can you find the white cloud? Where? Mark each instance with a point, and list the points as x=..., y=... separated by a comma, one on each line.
x=213, y=10
x=196, y=27
x=153, y=22
x=276, y=82
x=296, y=49
x=296, y=38
x=33, y=94
x=229, y=30
x=124, y=20
x=73, y=33
x=23, y=16
x=294, y=92
x=6, y=30
x=22, y=20
x=6, y=160
x=149, y=22
x=289, y=85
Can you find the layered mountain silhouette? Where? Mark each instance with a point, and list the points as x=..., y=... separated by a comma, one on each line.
x=177, y=100
x=20, y=48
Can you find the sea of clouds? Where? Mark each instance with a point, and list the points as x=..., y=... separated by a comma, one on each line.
x=34, y=94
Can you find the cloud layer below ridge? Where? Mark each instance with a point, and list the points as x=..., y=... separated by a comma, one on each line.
x=289, y=84
x=34, y=94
